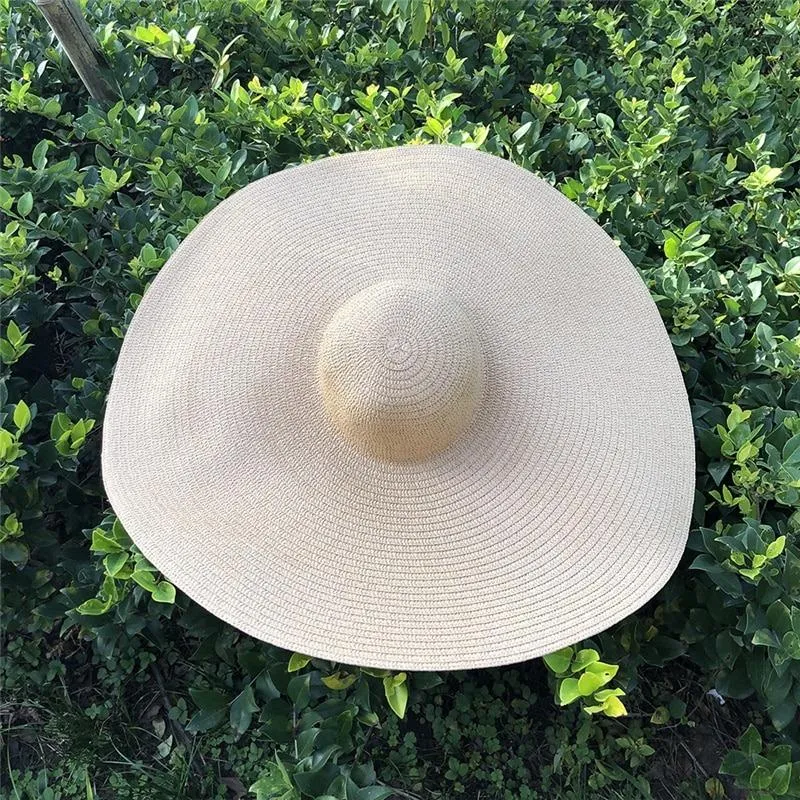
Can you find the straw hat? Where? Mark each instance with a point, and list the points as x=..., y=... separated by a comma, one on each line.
x=406, y=408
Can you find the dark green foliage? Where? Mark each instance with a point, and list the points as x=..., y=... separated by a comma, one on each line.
x=675, y=124
x=766, y=773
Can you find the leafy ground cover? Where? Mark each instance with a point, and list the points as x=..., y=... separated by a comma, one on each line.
x=675, y=124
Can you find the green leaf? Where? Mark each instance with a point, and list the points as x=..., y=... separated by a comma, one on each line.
x=783, y=714
x=583, y=658
x=604, y=694
x=208, y=699
x=375, y=673
x=100, y=605
x=114, y=563
x=94, y=607
x=763, y=177
x=297, y=662
x=605, y=123
x=589, y=683
x=205, y=721
x=274, y=784
x=559, y=661
x=790, y=454
x=299, y=690
x=568, y=691
x=14, y=551
x=766, y=638
x=8, y=354
x=660, y=716
x=339, y=680
x=419, y=20
x=791, y=571
x=425, y=680
x=770, y=174
x=608, y=671
x=780, y=779
x=242, y=710
x=25, y=204
x=39, y=156
x=371, y=793
x=16, y=337
x=118, y=532
x=779, y=617
x=396, y=690
x=145, y=579
x=103, y=543
x=750, y=573
x=22, y=416
x=791, y=645
x=8, y=444
x=750, y=742
x=760, y=778
x=613, y=707
x=671, y=248
x=774, y=549
x=776, y=688
x=737, y=764
x=60, y=425
x=164, y=592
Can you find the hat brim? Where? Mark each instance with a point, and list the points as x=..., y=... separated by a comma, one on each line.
x=562, y=509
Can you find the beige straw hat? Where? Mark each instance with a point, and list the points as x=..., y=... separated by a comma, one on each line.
x=406, y=408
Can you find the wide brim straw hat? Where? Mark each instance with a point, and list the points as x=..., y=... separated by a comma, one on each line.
x=406, y=408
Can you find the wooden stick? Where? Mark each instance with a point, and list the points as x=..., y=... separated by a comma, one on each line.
x=68, y=23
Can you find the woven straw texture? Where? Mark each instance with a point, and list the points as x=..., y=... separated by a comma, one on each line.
x=405, y=408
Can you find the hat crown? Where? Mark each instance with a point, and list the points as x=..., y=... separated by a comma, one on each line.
x=401, y=370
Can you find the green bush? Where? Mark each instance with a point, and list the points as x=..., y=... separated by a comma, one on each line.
x=675, y=124
x=768, y=774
